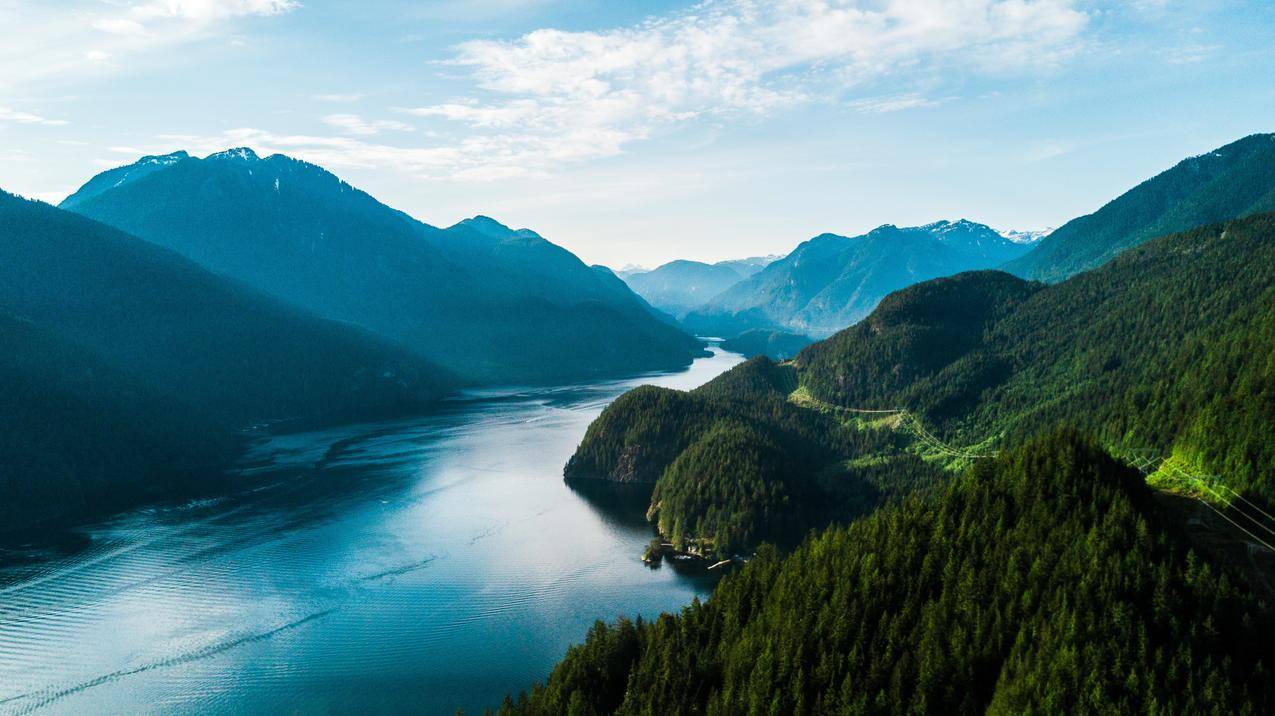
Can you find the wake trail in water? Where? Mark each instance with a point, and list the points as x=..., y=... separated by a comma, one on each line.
x=45, y=697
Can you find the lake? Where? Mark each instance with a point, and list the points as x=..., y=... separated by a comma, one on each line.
x=417, y=565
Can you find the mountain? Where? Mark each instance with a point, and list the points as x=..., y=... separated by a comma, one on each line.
x=240, y=356
x=776, y=345
x=629, y=269
x=128, y=372
x=748, y=266
x=1164, y=352
x=1027, y=237
x=531, y=267
x=1046, y=580
x=112, y=178
x=82, y=437
x=831, y=281
x=1230, y=182
x=1167, y=348
x=488, y=302
x=679, y=286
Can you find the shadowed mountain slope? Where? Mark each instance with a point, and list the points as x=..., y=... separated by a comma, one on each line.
x=487, y=302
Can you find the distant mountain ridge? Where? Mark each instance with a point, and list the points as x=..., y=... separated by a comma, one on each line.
x=488, y=302
x=1227, y=183
x=831, y=281
x=680, y=286
x=748, y=266
x=776, y=345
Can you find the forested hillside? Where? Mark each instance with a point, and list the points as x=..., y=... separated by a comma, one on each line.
x=489, y=303
x=1167, y=348
x=81, y=437
x=1043, y=581
x=1167, y=351
x=236, y=354
x=1229, y=182
x=734, y=462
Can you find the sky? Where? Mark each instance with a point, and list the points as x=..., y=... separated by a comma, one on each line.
x=641, y=132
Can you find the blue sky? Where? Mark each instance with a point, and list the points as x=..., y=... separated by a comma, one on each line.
x=641, y=132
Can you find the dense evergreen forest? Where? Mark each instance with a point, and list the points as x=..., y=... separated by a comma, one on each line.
x=81, y=437
x=734, y=462
x=1049, y=577
x=1045, y=580
x=1167, y=350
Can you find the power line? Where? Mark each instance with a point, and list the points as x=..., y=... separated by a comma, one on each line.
x=1143, y=463
x=1241, y=527
x=1199, y=482
x=1246, y=501
x=918, y=428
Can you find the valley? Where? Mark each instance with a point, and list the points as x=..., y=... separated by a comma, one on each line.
x=272, y=445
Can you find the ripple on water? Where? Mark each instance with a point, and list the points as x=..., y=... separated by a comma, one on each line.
x=420, y=564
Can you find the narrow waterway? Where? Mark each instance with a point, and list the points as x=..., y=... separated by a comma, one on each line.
x=415, y=566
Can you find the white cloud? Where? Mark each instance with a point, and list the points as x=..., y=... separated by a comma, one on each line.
x=138, y=16
x=895, y=103
x=119, y=26
x=1190, y=53
x=551, y=98
x=471, y=159
x=1049, y=149
x=354, y=124
x=147, y=18
x=52, y=196
x=85, y=38
x=551, y=94
x=16, y=117
x=339, y=97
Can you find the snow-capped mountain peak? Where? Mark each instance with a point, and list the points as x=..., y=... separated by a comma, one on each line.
x=1026, y=237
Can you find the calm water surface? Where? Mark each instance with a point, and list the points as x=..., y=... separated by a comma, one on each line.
x=416, y=565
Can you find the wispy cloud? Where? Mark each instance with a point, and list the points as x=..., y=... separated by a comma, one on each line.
x=895, y=103
x=596, y=92
x=475, y=158
x=144, y=17
x=40, y=40
x=339, y=97
x=1190, y=53
x=550, y=98
x=16, y=117
x=354, y=124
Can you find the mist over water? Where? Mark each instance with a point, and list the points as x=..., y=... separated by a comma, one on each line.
x=417, y=565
